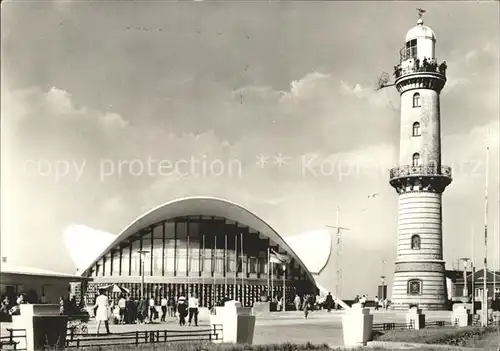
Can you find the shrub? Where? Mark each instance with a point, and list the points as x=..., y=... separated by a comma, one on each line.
x=445, y=336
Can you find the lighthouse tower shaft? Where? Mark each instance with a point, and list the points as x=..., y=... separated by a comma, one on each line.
x=420, y=179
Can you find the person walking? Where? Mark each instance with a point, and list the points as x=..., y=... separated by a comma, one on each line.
x=171, y=307
x=363, y=301
x=122, y=305
x=102, y=311
x=193, y=305
x=152, y=310
x=142, y=313
x=329, y=302
x=306, y=305
x=163, y=304
x=182, y=310
x=296, y=302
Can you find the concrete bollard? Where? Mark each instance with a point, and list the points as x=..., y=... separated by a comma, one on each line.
x=238, y=323
x=44, y=327
x=416, y=318
x=461, y=316
x=357, y=326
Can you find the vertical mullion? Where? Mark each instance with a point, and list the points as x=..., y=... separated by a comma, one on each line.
x=130, y=259
x=111, y=263
x=120, y=263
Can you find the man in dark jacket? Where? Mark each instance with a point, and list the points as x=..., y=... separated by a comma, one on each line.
x=329, y=302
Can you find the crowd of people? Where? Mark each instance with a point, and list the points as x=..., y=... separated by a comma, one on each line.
x=11, y=306
x=125, y=310
x=427, y=65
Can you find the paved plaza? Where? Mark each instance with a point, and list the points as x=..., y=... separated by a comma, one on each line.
x=321, y=326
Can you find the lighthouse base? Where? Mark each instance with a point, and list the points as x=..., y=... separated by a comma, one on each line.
x=424, y=289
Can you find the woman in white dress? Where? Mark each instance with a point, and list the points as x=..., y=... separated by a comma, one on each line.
x=102, y=311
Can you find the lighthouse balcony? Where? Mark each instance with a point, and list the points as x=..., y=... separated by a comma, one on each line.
x=406, y=171
x=424, y=177
x=417, y=68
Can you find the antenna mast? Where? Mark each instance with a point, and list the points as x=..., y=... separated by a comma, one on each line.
x=339, y=229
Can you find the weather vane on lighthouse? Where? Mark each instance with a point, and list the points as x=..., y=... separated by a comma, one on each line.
x=421, y=12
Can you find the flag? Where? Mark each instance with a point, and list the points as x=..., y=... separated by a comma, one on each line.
x=275, y=257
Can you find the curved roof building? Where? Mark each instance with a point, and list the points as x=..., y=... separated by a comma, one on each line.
x=209, y=246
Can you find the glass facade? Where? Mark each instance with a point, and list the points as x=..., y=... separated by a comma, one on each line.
x=212, y=257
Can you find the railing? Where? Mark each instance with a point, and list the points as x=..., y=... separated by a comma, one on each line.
x=431, y=67
x=404, y=171
x=12, y=340
x=392, y=326
x=440, y=324
x=79, y=340
x=209, y=334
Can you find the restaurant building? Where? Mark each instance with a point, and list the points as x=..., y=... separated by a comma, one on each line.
x=208, y=246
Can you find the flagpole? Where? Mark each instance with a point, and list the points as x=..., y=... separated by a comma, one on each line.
x=203, y=271
x=284, y=288
x=485, y=274
x=272, y=283
x=494, y=261
x=225, y=264
x=473, y=273
x=235, y=264
x=268, y=280
x=242, y=273
x=188, y=267
x=214, y=267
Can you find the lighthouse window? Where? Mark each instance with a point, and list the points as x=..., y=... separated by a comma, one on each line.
x=415, y=242
x=416, y=159
x=414, y=287
x=416, y=100
x=416, y=129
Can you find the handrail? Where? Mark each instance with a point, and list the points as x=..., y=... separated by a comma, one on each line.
x=211, y=333
x=431, y=67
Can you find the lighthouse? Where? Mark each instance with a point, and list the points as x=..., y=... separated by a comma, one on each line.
x=420, y=179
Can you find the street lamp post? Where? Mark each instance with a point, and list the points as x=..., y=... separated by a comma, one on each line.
x=465, y=260
x=142, y=253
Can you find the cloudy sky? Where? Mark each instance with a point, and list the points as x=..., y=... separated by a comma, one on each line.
x=99, y=98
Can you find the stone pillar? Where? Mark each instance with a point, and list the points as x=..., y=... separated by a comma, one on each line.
x=261, y=308
x=44, y=327
x=238, y=323
x=416, y=318
x=461, y=316
x=357, y=326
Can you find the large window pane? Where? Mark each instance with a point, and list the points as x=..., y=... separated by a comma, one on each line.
x=219, y=261
x=207, y=260
x=116, y=263
x=181, y=231
x=194, y=259
x=107, y=264
x=125, y=260
x=135, y=258
x=170, y=230
x=158, y=231
x=146, y=245
x=230, y=263
x=181, y=261
x=157, y=256
x=193, y=230
x=170, y=256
